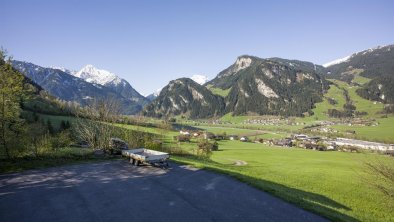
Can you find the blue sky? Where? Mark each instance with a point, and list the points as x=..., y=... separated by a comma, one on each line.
x=152, y=42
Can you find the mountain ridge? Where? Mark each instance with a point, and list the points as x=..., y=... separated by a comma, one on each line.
x=70, y=88
x=262, y=86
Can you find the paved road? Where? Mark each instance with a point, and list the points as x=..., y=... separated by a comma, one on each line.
x=118, y=191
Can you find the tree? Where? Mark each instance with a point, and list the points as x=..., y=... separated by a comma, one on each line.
x=205, y=148
x=50, y=128
x=37, y=133
x=11, y=93
x=97, y=126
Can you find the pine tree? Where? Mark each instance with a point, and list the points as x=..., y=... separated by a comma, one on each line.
x=62, y=125
x=50, y=128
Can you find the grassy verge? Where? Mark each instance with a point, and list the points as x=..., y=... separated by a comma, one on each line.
x=55, y=158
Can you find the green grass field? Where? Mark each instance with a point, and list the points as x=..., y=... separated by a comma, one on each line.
x=243, y=132
x=218, y=91
x=234, y=119
x=328, y=183
x=56, y=120
x=321, y=109
x=362, y=105
x=360, y=80
x=380, y=133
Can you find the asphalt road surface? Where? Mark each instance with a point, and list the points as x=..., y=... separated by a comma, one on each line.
x=118, y=191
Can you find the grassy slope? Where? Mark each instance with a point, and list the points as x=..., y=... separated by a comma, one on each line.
x=321, y=108
x=56, y=120
x=234, y=119
x=360, y=80
x=382, y=132
x=218, y=91
x=361, y=104
x=329, y=183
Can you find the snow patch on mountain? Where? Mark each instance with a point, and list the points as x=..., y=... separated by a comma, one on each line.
x=347, y=58
x=71, y=72
x=337, y=61
x=99, y=76
x=157, y=92
x=200, y=79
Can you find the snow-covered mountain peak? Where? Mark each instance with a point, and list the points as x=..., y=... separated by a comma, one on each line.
x=200, y=79
x=337, y=61
x=99, y=76
x=347, y=58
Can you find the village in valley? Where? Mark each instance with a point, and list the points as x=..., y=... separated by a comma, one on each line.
x=320, y=143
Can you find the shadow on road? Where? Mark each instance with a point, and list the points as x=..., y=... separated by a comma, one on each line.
x=317, y=203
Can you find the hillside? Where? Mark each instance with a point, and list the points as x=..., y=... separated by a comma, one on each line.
x=270, y=86
x=185, y=97
x=379, y=89
x=250, y=86
x=370, y=63
x=33, y=98
x=375, y=66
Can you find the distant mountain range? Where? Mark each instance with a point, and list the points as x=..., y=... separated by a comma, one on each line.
x=83, y=86
x=251, y=85
x=276, y=86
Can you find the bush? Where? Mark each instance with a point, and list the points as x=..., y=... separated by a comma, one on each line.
x=389, y=108
x=62, y=139
x=205, y=148
x=183, y=138
x=154, y=144
x=350, y=149
x=215, y=146
x=332, y=101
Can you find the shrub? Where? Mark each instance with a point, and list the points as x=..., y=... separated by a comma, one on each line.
x=154, y=144
x=205, y=148
x=62, y=139
x=183, y=138
x=332, y=101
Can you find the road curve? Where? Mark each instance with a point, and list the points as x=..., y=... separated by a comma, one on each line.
x=118, y=191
